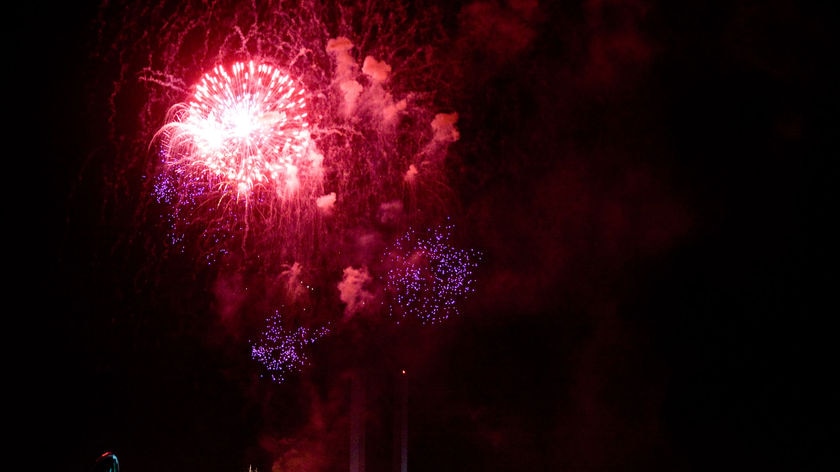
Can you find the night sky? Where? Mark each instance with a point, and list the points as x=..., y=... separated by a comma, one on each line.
x=647, y=182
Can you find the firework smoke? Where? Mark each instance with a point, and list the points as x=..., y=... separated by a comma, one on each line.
x=257, y=138
x=255, y=129
x=297, y=181
x=294, y=157
x=303, y=173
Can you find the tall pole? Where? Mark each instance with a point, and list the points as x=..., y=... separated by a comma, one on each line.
x=402, y=421
x=357, y=423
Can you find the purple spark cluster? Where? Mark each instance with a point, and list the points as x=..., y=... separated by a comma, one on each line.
x=282, y=351
x=427, y=277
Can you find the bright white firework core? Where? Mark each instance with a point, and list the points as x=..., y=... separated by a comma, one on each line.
x=244, y=128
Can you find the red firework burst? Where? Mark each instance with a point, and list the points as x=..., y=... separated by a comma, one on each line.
x=243, y=129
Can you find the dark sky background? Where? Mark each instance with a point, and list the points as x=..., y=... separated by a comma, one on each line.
x=648, y=181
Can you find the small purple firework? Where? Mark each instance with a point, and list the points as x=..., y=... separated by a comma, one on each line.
x=282, y=351
x=427, y=277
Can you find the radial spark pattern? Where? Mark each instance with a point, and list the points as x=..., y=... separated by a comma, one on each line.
x=242, y=129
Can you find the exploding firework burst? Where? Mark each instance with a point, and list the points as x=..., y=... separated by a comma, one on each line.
x=243, y=130
x=238, y=156
x=281, y=350
x=428, y=277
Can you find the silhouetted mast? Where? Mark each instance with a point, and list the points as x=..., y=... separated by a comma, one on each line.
x=401, y=415
x=357, y=423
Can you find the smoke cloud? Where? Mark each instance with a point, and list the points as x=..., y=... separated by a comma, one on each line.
x=354, y=293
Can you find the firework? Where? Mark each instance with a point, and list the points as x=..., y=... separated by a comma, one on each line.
x=427, y=277
x=283, y=351
x=236, y=158
x=244, y=129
